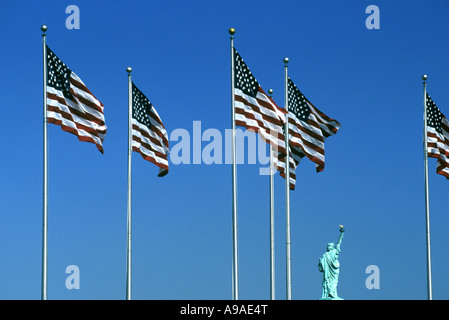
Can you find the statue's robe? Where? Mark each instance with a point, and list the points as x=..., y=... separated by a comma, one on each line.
x=330, y=267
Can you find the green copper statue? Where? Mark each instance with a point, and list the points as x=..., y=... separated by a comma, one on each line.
x=330, y=267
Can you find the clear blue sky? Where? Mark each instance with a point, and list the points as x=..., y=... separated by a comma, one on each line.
x=373, y=183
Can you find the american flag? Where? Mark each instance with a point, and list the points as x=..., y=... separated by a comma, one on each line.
x=308, y=129
x=149, y=137
x=254, y=109
x=71, y=105
x=437, y=136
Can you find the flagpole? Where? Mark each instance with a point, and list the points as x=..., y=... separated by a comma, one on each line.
x=272, y=260
x=426, y=183
x=45, y=186
x=235, y=269
x=287, y=189
x=128, y=246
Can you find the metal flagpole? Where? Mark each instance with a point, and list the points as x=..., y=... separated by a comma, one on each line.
x=426, y=182
x=128, y=246
x=45, y=187
x=272, y=261
x=235, y=269
x=287, y=190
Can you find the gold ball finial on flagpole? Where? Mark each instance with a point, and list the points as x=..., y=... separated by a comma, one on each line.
x=44, y=28
x=286, y=60
x=231, y=31
x=129, y=69
x=424, y=77
x=270, y=91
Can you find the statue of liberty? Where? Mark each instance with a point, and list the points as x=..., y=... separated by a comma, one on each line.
x=330, y=267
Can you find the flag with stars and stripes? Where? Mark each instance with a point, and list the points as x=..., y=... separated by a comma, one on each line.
x=254, y=109
x=71, y=105
x=437, y=136
x=149, y=137
x=308, y=129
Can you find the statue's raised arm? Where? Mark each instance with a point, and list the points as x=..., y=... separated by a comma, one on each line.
x=340, y=239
